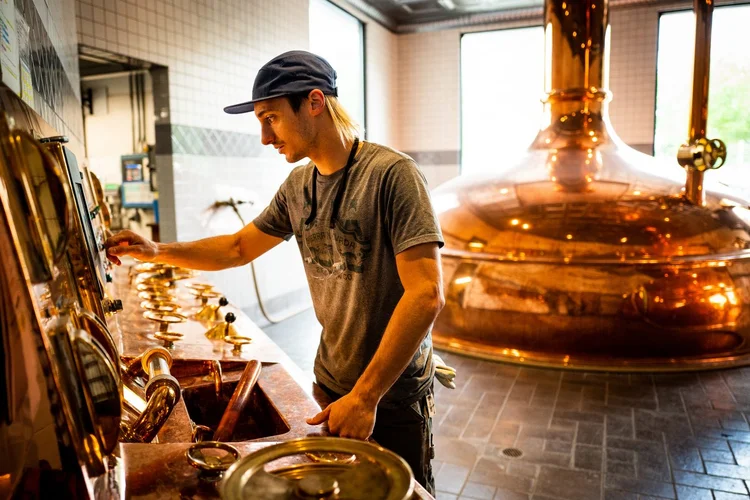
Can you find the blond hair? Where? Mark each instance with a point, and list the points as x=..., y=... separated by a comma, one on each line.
x=345, y=125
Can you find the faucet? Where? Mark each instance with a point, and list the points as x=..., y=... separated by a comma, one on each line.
x=162, y=394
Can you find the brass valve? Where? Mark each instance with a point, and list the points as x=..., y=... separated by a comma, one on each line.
x=163, y=392
x=160, y=306
x=223, y=329
x=204, y=294
x=237, y=342
x=703, y=154
x=165, y=319
x=210, y=313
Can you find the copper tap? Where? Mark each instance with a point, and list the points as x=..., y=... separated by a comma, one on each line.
x=162, y=393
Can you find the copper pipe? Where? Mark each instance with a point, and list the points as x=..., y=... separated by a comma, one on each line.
x=214, y=368
x=162, y=392
x=699, y=104
x=575, y=34
x=160, y=405
x=239, y=401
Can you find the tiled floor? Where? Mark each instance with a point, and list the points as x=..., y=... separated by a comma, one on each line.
x=582, y=436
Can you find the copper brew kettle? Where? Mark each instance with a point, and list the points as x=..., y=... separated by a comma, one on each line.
x=586, y=253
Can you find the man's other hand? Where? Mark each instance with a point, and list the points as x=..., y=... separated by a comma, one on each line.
x=349, y=417
x=129, y=243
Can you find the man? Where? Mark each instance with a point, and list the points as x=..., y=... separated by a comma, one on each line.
x=362, y=217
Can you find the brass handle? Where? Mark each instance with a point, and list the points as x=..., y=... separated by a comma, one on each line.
x=160, y=306
x=158, y=281
x=204, y=294
x=153, y=288
x=169, y=338
x=200, y=286
x=197, y=459
x=145, y=267
x=156, y=297
x=237, y=342
x=165, y=318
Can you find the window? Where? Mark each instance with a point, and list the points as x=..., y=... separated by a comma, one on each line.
x=338, y=37
x=502, y=83
x=729, y=89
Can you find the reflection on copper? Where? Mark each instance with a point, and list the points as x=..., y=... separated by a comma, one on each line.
x=588, y=259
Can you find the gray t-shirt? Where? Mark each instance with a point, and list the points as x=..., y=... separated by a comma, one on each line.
x=385, y=209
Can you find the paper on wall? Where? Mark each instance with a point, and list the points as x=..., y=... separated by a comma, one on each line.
x=27, y=88
x=9, y=62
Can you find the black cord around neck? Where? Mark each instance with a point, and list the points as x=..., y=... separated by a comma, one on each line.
x=339, y=193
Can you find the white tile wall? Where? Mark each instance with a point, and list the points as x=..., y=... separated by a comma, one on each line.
x=633, y=73
x=213, y=49
x=382, y=70
x=428, y=91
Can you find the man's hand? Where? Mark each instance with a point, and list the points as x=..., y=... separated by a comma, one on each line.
x=349, y=417
x=129, y=243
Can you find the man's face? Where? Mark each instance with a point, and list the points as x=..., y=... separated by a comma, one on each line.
x=287, y=131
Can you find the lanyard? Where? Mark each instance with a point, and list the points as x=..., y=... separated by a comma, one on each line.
x=339, y=193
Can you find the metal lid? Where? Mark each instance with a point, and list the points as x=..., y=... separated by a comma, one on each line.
x=376, y=474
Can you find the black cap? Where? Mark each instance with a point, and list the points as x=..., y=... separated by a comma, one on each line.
x=289, y=73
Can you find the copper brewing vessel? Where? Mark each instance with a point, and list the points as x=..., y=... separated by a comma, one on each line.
x=587, y=253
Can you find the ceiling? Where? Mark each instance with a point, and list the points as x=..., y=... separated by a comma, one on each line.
x=406, y=15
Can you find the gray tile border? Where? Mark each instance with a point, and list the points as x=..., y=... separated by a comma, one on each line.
x=199, y=141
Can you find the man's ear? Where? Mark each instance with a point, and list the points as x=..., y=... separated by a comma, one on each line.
x=317, y=102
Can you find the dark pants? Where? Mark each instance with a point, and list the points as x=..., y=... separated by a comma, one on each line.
x=407, y=431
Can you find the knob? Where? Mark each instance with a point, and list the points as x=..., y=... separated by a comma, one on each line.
x=108, y=277
x=224, y=329
x=62, y=139
x=223, y=301
x=237, y=342
x=112, y=306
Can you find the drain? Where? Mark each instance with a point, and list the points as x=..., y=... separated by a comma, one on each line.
x=512, y=452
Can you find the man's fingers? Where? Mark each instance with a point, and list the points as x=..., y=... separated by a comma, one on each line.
x=127, y=250
x=121, y=237
x=320, y=417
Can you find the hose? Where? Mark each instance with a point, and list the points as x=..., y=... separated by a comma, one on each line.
x=273, y=320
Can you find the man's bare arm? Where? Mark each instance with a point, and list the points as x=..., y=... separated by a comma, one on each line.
x=421, y=276
x=209, y=254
